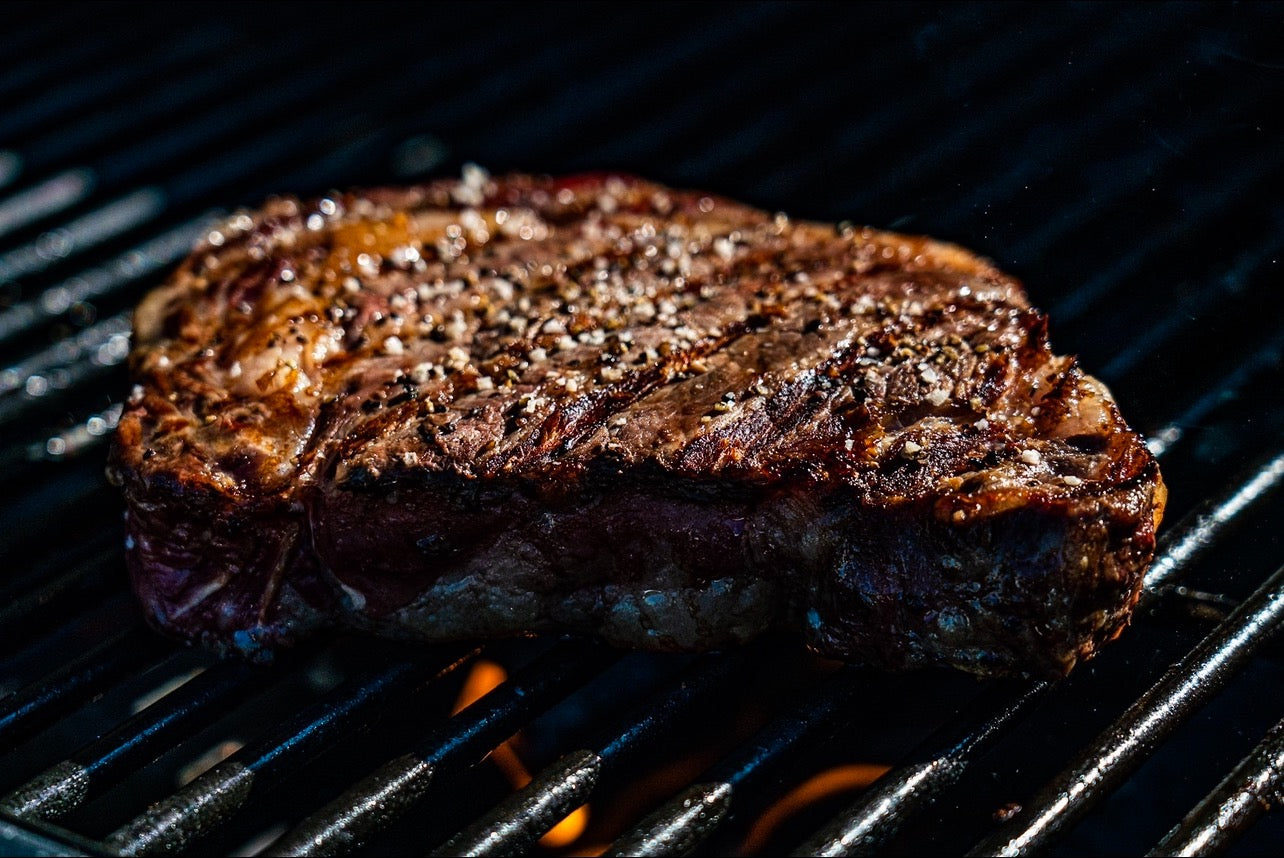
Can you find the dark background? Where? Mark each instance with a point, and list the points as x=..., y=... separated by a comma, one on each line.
x=1124, y=160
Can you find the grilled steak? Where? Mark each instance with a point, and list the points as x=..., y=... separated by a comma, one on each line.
x=597, y=405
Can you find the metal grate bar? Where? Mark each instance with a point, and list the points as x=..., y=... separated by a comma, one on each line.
x=97, y=282
x=86, y=231
x=693, y=815
x=1250, y=790
x=942, y=151
x=670, y=127
x=94, y=572
x=1264, y=357
x=648, y=70
x=35, y=707
x=763, y=132
x=36, y=840
x=392, y=790
x=198, y=702
x=1123, y=746
x=64, y=365
x=176, y=822
x=1198, y=531
x=1198, y=212
x=889, y=118
x=91, y=89
x=71, y=59
x=933, y=767
x=940, y=761
x=1248, y=265
x=514, y=825
x=44, y=199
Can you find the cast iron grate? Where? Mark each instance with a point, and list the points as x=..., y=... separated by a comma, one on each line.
x=1124, y=159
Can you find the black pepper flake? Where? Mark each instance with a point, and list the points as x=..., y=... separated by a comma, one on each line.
x=407, y=396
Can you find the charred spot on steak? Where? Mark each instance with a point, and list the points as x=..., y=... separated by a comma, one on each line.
x=597, y=405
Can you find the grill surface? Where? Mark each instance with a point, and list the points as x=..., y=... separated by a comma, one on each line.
x=1125, y=161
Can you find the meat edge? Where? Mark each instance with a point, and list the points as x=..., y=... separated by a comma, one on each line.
x=1023, y=589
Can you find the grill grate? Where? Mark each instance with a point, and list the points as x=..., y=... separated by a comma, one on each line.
x=1124, y=164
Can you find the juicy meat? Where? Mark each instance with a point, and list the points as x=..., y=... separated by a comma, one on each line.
x=597, y=405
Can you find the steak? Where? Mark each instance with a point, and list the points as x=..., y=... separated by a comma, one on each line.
x=495, y=406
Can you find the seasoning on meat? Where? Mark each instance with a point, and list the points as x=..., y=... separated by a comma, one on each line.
x=597, y=405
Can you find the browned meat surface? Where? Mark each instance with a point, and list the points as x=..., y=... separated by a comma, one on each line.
x=597, y=405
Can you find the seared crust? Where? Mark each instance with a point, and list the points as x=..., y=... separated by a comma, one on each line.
x=600, y=405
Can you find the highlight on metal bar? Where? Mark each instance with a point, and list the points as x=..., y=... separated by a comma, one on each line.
x=935, y=765
x=105, y=343
x=1263, y=357
x=1252, y=788
x=1123, y=746
x=115, y=218
x=692, y=816
x=174, y=823
x=37, y=706
x=48, y=197
x=386, y=794
x=93, y=283
x=200, y=699
x=515, y=824
x=40, y=840
x=95, y=430
x=1199, y=529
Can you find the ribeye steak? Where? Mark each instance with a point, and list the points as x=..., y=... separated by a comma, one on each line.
x=597, y=405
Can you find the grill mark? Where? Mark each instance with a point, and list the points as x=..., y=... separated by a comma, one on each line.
x=569, y=425
x=796, y=403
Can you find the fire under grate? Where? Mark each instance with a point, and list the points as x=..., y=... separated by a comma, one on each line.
x=1123, y=160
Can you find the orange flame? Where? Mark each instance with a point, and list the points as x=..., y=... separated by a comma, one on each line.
x=485, y=677
x=830, y=782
